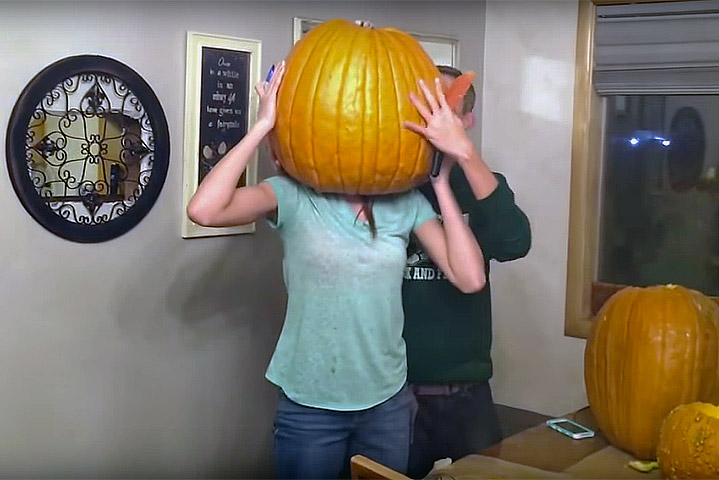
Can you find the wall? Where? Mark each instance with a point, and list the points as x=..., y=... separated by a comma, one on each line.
x=144, y=356
x=526, y=133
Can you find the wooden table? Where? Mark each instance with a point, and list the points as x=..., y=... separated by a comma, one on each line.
x=540, y=452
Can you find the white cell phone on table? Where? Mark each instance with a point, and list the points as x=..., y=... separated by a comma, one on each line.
x=570, y=428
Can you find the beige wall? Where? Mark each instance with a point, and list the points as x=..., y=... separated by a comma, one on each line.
x=144, y=356
x=526, y=133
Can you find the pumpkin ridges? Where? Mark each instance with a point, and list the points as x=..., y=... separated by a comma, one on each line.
x=592, y=363
x=429, y=73
x=287, y=83
x=314, y=63
x=649, y=390
x=704, y=350
x=429, y=76
x=407, y=74
x=663, y=401
x=712, y=311
x=363, y=123
x=615, y=368
x=341, y=137
x=612, y=368
x=398, y=39
x=383, y=136
x=403, y=76
x=645, y=387
x=414, y=68
x=406, y=111
x=363, y=115
x=629, y=367
x=642, y=386
x=696, y=388
x=329, y=154
x=312, y=95
x=393, y=114
x=605, y=367
x=350, y=137
x=375, y=82
x=292, y=79
x=669, y=311
x=370, y=104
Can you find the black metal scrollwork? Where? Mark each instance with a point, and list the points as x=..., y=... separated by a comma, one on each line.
x=88, y=148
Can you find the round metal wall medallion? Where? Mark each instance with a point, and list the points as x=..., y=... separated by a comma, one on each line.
x=88, y=148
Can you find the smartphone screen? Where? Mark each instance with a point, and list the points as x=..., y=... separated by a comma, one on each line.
x=571, y=427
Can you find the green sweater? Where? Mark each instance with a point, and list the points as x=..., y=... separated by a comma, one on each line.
x=449, y=333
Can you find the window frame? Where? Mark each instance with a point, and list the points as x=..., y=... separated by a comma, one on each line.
x=584, y=294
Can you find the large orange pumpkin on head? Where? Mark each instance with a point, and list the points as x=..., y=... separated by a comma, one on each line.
x=650, y=350
x=341, y=106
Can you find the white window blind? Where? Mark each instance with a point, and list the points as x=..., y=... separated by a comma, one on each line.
x=657, y=48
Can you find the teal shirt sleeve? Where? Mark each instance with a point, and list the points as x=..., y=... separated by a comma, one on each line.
x=287, y=193
x=424, y=210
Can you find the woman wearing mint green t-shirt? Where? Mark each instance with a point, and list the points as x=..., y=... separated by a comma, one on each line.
x=340, y=361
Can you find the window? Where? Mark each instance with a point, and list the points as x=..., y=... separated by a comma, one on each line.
x=645, y=191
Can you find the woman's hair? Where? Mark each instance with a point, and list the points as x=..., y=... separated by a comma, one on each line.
x=469, y=97
x=367, y=209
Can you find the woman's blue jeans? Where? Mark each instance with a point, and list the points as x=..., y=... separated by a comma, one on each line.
x=317, y=443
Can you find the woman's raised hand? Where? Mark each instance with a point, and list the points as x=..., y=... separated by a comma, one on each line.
x=443, y=128
x=267, y=92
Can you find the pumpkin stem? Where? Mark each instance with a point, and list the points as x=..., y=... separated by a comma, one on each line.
x=364, y=23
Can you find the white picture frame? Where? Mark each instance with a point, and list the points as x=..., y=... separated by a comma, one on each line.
x=246, y=54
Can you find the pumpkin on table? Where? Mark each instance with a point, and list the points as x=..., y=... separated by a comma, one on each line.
x=650, y=350
x=341, y=106
x=689, y=442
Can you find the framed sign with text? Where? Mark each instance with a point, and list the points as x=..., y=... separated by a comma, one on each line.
x=219, y=110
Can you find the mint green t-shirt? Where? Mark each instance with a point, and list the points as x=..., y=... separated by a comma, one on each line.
x=341, y=345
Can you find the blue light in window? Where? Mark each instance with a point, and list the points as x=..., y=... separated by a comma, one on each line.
x=646, y=137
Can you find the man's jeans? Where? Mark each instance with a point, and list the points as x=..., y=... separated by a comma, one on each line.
x=452, y=426
x=318, y=443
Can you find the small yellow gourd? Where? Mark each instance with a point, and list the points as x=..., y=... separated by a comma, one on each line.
x=689, y=442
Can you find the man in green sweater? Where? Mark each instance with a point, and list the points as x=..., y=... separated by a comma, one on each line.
x=449, y=333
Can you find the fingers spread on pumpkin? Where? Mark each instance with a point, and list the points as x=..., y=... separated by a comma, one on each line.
x=440, y=94
x=431, y=101
x=420, y=106
x=414, y=127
